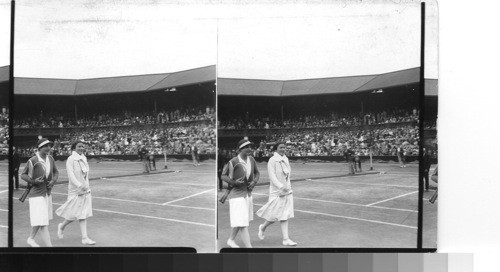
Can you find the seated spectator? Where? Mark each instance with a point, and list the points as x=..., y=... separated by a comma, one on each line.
x=124, y=118
x=329, y=119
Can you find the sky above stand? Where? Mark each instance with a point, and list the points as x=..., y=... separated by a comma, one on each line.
x=263, y=40
x=4, y=32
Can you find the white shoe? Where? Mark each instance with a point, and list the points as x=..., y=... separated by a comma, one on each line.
x=32, y=242
x=232, y=244
x=289, y=242
x=88, y=241
x=60, y=233
x=261, y=233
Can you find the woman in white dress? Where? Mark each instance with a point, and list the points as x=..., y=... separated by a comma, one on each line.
x=279, y=207
x=78, y=206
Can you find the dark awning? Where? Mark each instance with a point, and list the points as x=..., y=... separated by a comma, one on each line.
x=4, y=73
x=333, y=85
x=431, y=87
x=188, y=77
x=44, y=86
x=230, y=86
x=137, y=83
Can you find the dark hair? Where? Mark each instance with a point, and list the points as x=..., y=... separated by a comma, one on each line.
x=75, y=143
x=275, y=147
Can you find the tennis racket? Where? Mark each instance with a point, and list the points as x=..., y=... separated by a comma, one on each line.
x=239, y=172
x=434, y=197
x=38, y=172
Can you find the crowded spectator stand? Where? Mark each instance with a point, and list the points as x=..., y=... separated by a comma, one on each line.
x=4, y=132
x=115, y=116
x=319, y=118
x=123, y=137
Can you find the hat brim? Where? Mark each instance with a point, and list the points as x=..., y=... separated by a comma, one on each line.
x=45, y=143
x=244, y=145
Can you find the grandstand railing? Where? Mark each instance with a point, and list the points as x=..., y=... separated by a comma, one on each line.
x=364, y=159
x=159, y=158
x=203, y=157
x=272, y=131
x=62, y=131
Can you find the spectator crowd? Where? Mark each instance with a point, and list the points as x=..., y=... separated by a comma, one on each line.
x=382, y=142
x=128, y=141
x=116, y=133
x=247, y=121
x=4, y=131
x=124, y=118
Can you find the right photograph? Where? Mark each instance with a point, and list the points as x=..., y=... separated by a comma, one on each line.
x=319, y=130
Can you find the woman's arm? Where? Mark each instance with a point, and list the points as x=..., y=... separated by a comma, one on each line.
x=70, y=169
x=24, y=174
x=256, y=173
x=271, y=169
x=434, y=176
x=55, y=174
x=290, y=169
x=225, y=174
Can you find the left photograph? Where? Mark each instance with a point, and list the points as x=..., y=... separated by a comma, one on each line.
x=114, y=126
x=4, y=119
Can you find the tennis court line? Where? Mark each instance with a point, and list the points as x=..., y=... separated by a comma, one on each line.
x=353, y=218
x=151, y=217
x=166, y=203
x=345, y=203
x=144, y=202
x=4, y=191
x=4, y=210
x=3, y=185
x=400, y=174
x=164, y=182
x=5, y=227
x=392, y=198
x=370, y=184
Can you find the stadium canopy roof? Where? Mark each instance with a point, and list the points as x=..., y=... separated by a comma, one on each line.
x=4, y=73
x=431, y=87
x=333, y=85
x=109, y=85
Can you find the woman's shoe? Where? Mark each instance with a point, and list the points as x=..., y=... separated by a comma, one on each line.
x=60, y=233
x=32, y=242
x=261, y=233
x=289, y=242
x=232, y=244
x=88, y=241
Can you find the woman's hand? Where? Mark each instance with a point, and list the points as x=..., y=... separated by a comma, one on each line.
x=252, y=185
x=39, y=180
x=239, y=182
x=83, y=189
x=51, y=184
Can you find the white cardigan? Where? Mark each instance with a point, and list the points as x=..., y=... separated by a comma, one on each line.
x=78, y=173
x=279, y=171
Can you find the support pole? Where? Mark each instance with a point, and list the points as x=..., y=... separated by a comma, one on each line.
x=165, y=157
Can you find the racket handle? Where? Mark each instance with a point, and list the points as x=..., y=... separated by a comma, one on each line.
x=226, y=194
x=25, y=193
x=434, y=197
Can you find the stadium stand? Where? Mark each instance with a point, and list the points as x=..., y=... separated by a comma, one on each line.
x=117, y=116
x=318, y=118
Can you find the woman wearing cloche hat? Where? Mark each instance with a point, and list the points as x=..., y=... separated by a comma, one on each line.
x=40, y=200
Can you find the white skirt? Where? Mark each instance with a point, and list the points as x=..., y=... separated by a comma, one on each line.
x=40, y=210
x=278, y=208
x=76, y=207
x=241, y=211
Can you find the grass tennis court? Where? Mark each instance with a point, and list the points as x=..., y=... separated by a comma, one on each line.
x=171, y=207
x=376, y=209
x=4, y=203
